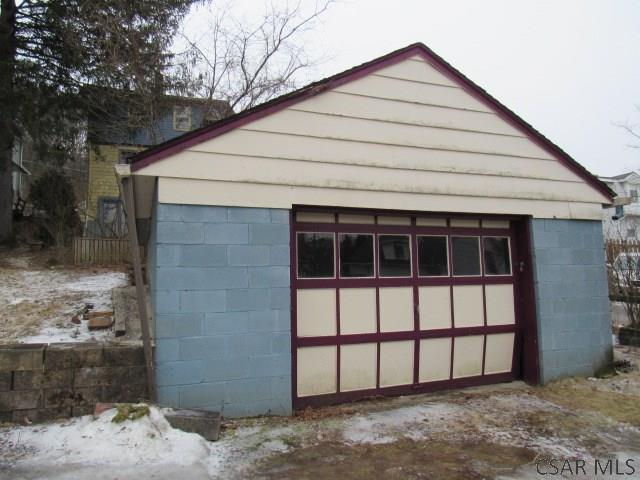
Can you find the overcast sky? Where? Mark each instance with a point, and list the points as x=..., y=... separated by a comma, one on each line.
x=571, y=68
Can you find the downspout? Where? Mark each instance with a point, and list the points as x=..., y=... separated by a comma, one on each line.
x=125, y=183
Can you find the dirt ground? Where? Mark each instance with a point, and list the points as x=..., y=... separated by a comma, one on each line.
x=502, y=431
x=39, y=296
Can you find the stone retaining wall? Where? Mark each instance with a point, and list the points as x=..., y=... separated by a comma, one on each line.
x=45, y=382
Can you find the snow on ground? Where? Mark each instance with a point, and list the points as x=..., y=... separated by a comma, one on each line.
x=99, y=441
x=483, y=432
x=37, y=303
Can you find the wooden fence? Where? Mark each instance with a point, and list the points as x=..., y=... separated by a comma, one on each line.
x=102, y=251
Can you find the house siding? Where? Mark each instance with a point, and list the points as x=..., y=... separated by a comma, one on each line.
x=403, y=137
x=221, y=301
x=574, y=324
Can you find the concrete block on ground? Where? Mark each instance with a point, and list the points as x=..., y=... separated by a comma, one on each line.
x=202, y=422
x=72, y=355
x=21, y=357
x=123, y=355
x=23, y=400
x=5, y=381
x=36, y=379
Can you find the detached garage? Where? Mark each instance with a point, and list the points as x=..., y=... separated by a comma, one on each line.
x=390, y=230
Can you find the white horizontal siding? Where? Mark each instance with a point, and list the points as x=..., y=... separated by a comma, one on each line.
x=383, y=87
x=264, y=144
x=204, y=192
x=404, y=137
x=371, y=108
x=371, y=131
x=314, y=174
x=417, y=71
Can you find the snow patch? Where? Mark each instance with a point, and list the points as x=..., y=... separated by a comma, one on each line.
x=99, y=441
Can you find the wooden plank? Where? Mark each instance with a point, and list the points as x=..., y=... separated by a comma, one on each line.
x=126, y=184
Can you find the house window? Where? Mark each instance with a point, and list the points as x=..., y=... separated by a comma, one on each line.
x=433, y=258
x=111, y=217
x=497, y=258
x=356, y=255
x=631, y=232
x=394, y=255
x=465, y=256
x=182, y=118
x=124, y=156
x=634, y=195
x=315, y=255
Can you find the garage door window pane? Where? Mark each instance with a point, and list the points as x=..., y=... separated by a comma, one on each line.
x=356, y=255
x=432, y=256
x=394, y=255
x=497, y=260
x=465, y=256
x=315, y=255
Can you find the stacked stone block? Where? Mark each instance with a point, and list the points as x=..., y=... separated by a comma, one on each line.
x=45, y=382
x=221, y=301
x=572, y=300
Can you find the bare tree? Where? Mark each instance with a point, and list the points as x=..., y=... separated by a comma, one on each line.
x=623, y=264
x=633, y=130
x=247, y=63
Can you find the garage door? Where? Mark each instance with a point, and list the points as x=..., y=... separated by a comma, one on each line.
x=399, y=304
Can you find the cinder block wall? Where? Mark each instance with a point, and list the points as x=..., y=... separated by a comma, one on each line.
x=574, y=324
x=45, y=382
x=222, y=309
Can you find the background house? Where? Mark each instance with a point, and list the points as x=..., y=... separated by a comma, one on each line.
x=628, y=226
x=113, y=141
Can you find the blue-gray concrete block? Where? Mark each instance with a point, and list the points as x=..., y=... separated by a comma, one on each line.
x=248, y=299
x=180, y=233
x=280, y=216
x=202, y=395
x=269, y=365
x=168, y=255
x=180, y=373
x=248, y=255
x=201, y=348
x=248, y=390
x=263, y=321
x=268, y=234
x=571, y=297
x=281, y=387
x=166, y=301
x=279, y=255
x=201, y=213
x=167, y=350
x=179, y=325
x=280, y=298
x=231, y=367
x=167, y=212
x=168, y=395
x=280, y=342
x=249, y=215
x=261, y=277
x=248, y=344
x=203, y=255
x=226, y=233
x=195, y=301
x=219, y=280
x=226, y=322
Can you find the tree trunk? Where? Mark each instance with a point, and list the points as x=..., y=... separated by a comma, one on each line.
x=7, y=62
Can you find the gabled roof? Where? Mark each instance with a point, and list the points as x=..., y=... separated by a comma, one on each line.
x=213, y=130
x=623, y=177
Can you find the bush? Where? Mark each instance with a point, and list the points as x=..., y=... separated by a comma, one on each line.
x=52, y=195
